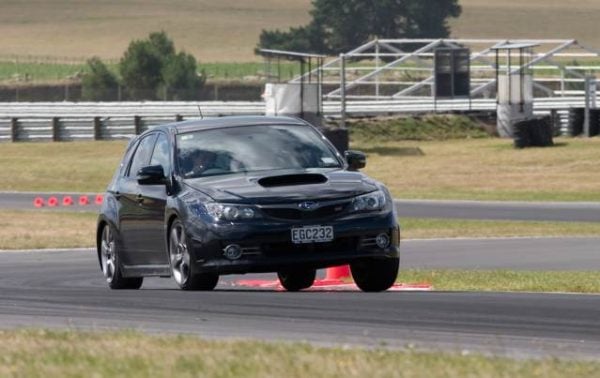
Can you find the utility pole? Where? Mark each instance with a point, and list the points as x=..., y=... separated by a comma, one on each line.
x=590, y=103
x=343, y=89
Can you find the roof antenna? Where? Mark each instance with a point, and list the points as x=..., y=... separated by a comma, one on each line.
x=200, y=111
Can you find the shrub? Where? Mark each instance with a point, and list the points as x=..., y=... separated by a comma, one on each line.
x=152, y=69
x=180, y=79
x=99, y=83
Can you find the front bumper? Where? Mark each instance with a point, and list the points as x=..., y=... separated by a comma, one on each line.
x=267, y=246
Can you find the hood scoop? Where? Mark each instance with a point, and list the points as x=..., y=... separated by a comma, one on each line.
x=291, y=180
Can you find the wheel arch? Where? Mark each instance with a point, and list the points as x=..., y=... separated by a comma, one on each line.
x=99, y=228
x=102, y=222
x=170, y=219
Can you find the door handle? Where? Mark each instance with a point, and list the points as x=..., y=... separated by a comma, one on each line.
x=117, y=195
x=140, y=199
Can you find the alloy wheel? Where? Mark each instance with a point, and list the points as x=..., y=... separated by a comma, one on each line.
x=107, y=253
x=179, y=255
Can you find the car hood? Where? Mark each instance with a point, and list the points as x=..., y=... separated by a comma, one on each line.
x=283, y=186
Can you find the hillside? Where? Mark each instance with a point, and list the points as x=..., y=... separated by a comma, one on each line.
x=227, y=30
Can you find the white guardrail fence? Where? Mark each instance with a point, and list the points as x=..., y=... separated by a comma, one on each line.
x=112, y=120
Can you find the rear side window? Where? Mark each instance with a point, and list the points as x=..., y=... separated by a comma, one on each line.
x=141, y=157
x=127, y=158
x=160, y=156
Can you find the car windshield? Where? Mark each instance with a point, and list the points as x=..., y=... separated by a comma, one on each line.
x=252, y=148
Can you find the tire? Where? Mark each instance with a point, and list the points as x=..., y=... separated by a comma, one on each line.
x=373, y=275
x=182, y=263
x=111, y=265
x=296, y=280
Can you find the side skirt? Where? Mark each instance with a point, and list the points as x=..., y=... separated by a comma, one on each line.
x=146, y=271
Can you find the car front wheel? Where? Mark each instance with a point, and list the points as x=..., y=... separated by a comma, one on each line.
x=182, y=265
x=374, y=275
x=296, y=280
x=111, y=267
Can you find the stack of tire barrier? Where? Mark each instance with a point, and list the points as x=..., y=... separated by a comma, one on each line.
x=557, y=121
x=535, y=132
x=594, y=122
x=576, y=119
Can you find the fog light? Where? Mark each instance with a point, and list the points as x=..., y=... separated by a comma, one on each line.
x=232, y=252
x=382, y=240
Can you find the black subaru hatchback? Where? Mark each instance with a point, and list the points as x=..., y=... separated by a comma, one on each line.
x=199, y=199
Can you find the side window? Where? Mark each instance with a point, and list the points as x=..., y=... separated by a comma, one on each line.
x=161, y=155
x=127, y=158
x=142, y=154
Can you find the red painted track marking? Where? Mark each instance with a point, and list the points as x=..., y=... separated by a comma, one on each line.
x=327, y=285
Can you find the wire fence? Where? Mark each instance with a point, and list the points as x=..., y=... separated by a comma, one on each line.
x=23, y=69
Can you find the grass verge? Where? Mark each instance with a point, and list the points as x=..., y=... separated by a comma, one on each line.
x=47, y=229
x=425, y=228
x=59, y=166
x=42, y=229
x=485, y=169
x=505, y=280
x=40, y=353
x=431, y=127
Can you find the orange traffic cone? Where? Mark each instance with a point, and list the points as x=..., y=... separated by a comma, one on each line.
x=38, y=202
x=337, y=273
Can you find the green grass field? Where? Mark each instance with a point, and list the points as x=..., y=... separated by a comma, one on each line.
x=228, y=30
x=13, y=71
x=41, y=353
x=485, y=169
x=506, y=280
x=77, y=166
x=223, y=31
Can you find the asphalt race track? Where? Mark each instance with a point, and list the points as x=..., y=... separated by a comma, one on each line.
x=496, y=210
x=66, y=289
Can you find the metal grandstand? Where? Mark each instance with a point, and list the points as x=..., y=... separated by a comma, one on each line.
x=402, y=69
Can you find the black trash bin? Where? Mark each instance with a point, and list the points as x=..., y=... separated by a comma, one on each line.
x=338, y=136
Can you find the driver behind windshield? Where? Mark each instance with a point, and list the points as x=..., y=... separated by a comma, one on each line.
x=197, y=162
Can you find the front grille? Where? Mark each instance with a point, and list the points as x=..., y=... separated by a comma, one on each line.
x=289, y=213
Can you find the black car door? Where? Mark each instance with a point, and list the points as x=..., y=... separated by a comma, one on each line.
x=132, y=215
x=153, y=201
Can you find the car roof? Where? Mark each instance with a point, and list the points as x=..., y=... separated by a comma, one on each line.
x=230, y=121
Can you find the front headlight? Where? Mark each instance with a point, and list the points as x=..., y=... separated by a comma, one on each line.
x=220, y=212
x=369, y=202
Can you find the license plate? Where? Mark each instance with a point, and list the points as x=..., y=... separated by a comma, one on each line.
x=312, y=234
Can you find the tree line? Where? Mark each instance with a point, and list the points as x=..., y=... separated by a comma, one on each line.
x=341, y=25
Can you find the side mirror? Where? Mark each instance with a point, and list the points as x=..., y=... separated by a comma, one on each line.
x=151, y=175
x=356, y=160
